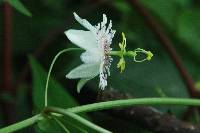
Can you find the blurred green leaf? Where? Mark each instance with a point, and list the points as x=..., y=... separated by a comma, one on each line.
x=57, y=96
x=188, y=30
x=167, y=10
x=164, y=9
x=183, y=3
x=20, y=7
x=55, y=6
x=142, y=79
x=46, y=124
x=122, y=6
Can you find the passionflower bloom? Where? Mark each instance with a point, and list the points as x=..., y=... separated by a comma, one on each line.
x=96, y=41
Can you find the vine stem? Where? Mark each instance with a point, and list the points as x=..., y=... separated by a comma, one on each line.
x=106, y=105
x=78, y=118
x=131, y=102
x=50, y=69
x=21, y=125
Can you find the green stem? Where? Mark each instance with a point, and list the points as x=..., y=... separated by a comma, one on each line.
x=78, y=118
x=61, y=124
x=130, y=53
x=116, y=53
x=131, y=102
x=50, y=69
x=107, y=105
x=20, y=125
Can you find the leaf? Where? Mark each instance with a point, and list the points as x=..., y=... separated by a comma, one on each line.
x=57, y=96
x=122, y=6
x=20, y=7
x=167, y=11
x=188, y=30
x=141, y=79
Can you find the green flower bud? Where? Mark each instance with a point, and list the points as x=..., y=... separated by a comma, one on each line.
x=121, y=64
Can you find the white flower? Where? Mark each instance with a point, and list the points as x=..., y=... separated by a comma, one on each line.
x=96, y=59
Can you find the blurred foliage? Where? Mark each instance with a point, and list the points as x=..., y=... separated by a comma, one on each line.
x=19, y=6
x=180, y=19
x=167, y=11
x=57, y=96
x=189, y=23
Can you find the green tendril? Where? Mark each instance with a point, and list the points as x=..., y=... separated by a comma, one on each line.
x=149, y=54
x=50, y=69
x=122, y=53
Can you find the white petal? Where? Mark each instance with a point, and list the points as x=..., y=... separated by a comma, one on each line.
x=83, y=39
x=84, y=23
x=84, y=71
x=91, y=57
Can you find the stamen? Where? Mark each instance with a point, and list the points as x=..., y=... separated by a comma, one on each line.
x=104, y=39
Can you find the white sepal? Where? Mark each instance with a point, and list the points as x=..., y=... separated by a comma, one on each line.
x=91, y=57
x=84, y=71
x=83, y=39
x=84, y=23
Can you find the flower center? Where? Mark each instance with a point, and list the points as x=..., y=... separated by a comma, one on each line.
x=104, y=37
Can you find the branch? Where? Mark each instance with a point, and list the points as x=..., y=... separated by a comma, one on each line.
x=167, y=44
x=7, y=62
x=22, y=124
x=148, y=117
